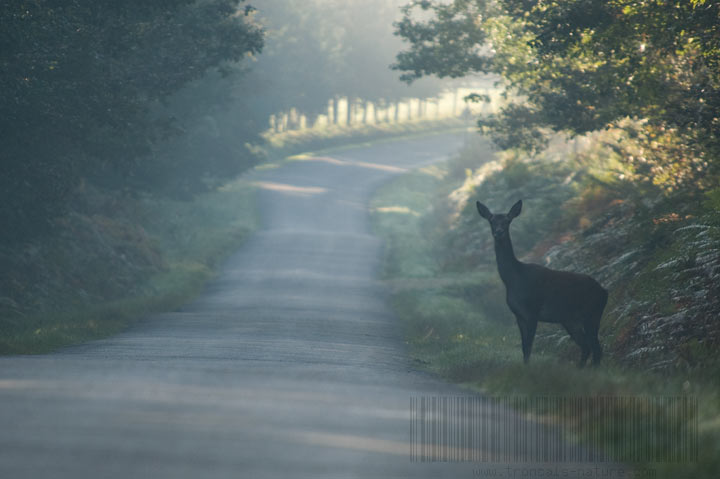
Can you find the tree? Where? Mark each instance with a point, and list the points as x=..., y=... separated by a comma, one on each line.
x=577, y=65
x=80, y=80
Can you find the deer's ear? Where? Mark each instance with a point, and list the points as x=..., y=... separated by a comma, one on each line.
x=515, y=210
x=483, y=210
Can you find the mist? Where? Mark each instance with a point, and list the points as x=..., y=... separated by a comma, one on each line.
x=359, y=238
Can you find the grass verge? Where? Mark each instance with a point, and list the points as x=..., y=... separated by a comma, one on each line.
x=106, y=269
x=327, y=138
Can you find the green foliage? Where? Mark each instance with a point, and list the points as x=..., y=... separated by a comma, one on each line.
x=446, y=45
x=713, y=199
x=583, y=65
x=82, y=87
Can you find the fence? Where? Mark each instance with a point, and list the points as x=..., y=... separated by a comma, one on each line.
x=343, y=111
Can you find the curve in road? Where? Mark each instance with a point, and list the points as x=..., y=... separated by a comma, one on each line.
x=289, y=365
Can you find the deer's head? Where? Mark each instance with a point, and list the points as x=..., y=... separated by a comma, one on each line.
x=499, y=223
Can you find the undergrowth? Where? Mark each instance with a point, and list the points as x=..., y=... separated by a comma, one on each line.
x=113, y=260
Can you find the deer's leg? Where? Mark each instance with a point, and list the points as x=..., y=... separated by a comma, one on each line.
x=527, y=345
x=596, y=349
x=523, y=333
x=592, y=338
x=577, y=333
x=527, y=335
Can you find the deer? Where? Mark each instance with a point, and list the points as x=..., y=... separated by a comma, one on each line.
x=536, y=293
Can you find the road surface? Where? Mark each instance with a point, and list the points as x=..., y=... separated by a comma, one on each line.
x=290, y=365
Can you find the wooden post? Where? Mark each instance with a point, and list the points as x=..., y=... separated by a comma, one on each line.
x=348, y=111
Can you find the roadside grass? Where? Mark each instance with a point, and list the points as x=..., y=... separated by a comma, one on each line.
x=185, y=241
x=452, y=307
x=326, y=138
x=445, y=329
x=116, y=259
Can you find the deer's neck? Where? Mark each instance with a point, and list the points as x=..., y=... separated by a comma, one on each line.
x=508, y=265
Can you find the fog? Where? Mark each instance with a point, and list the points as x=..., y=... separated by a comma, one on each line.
x=236, y=236
x=320, y=50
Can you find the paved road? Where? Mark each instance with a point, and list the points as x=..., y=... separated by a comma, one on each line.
x=289, y=365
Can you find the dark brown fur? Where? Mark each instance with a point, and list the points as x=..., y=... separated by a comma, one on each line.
x=536, y=293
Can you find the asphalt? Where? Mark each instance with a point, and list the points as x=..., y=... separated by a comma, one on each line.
x=290, y=364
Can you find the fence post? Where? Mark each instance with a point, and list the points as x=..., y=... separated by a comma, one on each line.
x=348, y=111
x=336, y=111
